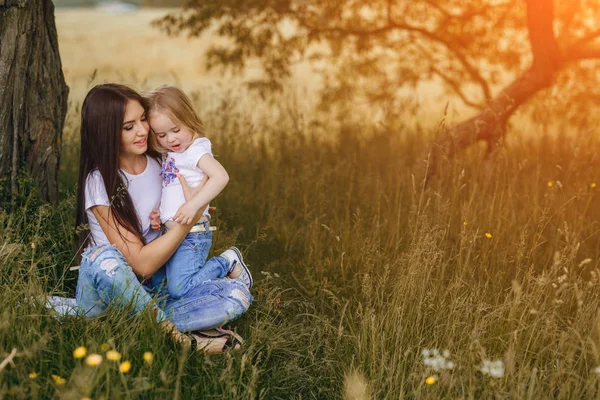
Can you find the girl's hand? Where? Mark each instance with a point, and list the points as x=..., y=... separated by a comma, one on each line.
x=155, y=220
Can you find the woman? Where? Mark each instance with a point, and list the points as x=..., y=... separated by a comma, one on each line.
x=119, y=186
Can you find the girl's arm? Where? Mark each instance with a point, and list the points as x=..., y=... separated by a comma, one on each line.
x=217, y=181
x=146, y=260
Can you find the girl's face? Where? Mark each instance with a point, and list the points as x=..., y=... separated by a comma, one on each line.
x=172, y=136
x=134, y=136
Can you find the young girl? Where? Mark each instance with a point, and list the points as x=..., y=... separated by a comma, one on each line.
x=177, y=133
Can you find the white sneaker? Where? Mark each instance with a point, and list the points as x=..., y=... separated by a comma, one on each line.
x=234, y=257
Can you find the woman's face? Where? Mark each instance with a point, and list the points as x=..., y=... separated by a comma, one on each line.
x=135, y=130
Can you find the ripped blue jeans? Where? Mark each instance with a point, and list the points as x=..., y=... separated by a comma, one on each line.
x=188, y=267
x=106, y=280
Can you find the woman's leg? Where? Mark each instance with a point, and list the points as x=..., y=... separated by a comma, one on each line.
x=209, y=305
x=106, y=279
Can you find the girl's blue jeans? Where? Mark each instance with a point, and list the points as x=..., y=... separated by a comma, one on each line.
x=188, y=268
x=106, y=280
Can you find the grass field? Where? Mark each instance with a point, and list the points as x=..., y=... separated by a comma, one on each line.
x=362, y=273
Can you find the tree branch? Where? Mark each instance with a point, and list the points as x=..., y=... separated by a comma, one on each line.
x=577, y=53
x=441, y=9
x=586, y=39
x=393, y=26
x=457, y=89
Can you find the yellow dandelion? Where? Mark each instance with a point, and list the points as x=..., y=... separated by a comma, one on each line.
x=125, y=367
x=550, y=184
x=488, y=235
x=93, y=360
x=79, y=352
x=58, y=380
x=148, y=357
x=113, y=355
x=33, y=375
x=104, y=347
x=431, y=380
x=593, y=185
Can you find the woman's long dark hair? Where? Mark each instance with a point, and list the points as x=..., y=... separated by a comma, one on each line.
x=102, y=118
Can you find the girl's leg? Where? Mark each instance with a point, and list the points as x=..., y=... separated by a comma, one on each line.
x=158, y=281
x=209, y=305
x=106, y=279
x=188, y=268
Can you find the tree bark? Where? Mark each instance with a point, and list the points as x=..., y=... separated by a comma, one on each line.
x=33, y=95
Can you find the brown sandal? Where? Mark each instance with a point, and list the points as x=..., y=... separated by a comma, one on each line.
x=233, y=339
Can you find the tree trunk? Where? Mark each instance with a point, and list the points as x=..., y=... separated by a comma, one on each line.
x=33, y=95
x=489, y=125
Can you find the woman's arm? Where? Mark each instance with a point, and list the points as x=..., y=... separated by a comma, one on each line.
x=217, y=181
x=146, y=260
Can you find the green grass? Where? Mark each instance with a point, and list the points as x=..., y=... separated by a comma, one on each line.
x=358, y=268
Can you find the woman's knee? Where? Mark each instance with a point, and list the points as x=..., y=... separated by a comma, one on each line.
x=105, y=258
x=104, y=266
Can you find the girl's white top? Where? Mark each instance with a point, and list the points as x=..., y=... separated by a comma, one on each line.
x=186, y=164
x=144, y=190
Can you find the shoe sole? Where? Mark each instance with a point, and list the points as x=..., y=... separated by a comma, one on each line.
x=237, y=251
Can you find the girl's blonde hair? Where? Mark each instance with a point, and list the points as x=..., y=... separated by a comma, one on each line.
x=171, y=101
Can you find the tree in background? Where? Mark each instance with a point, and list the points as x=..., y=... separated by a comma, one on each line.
x=494, y=55
x=33, y=95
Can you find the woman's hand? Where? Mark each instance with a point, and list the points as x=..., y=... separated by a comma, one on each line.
x=188, y=191
x=186, y=213
x=190, y=212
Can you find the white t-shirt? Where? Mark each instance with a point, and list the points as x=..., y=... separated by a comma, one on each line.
x=186, y=164
x=144, y=190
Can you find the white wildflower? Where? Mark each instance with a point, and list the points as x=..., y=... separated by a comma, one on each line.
x=495, y=369
x=267, y=274
x=436, y=361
